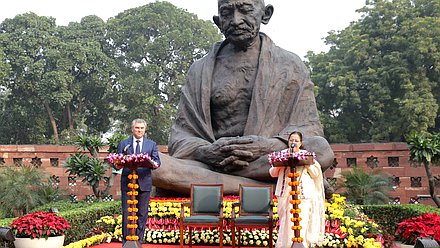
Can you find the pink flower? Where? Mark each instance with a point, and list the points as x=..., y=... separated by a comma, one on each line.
x=284, y=155
x=122, y=159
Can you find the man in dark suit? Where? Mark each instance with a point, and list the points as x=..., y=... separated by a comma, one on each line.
x=137, y=144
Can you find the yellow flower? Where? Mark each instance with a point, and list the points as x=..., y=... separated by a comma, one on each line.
x=343, y=229
x=359, y=224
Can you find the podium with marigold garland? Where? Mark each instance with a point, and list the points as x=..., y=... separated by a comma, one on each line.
x=132, y=162
x=292, y=160
x=132, y=238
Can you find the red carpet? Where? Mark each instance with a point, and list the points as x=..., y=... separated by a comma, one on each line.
x=119, y=245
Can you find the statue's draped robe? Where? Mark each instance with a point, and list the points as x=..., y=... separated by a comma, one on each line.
x=282, y=101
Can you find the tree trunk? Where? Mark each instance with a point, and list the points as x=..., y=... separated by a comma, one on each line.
x=69, y=118
x=52, y=122
x=110, y=183
x=97, y=192
x=431, y=184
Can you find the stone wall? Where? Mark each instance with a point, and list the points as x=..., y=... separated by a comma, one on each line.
x=410, y=183
x=409, y=180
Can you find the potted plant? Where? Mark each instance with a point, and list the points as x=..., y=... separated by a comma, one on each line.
x=426, y=225
x=39, y=229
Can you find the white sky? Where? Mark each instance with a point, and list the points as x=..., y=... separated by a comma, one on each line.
x=297, y=25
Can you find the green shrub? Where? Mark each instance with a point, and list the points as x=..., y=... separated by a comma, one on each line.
x=82, y=216
x=83, y=219
x=389, y=216
x=30, y=184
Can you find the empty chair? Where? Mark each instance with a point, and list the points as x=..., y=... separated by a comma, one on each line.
x=255, y=210
x=206, y=210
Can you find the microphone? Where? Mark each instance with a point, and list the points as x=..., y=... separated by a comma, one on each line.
x=291, y=147
x=126, y=147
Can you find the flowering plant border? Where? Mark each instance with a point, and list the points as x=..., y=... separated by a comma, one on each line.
x=345, y=227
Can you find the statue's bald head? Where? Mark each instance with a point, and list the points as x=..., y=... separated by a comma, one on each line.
x=240, y=20
x=259, y=2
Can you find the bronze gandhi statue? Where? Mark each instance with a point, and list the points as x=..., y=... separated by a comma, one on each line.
x=240, y=102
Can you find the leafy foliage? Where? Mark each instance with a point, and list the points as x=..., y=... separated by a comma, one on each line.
x=425, y=148
x=365, y=188
x=27, y=182
x=60, y=79
x=389, y=215
x=91, y=143
x=91, y=169
x=91, y=74
x=386, y=62
x=154, y=52
x=113, y=142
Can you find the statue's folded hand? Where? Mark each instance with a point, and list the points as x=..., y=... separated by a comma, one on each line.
x=234, y=153
x=249, y=148
x=243, y=150
x=217, y=152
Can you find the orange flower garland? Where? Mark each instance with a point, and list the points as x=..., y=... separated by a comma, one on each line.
x=295, y=201
x=132, y=209
x=132, y=162
x=292, y=159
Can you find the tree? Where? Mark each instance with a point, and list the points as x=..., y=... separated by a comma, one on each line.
x=154, y=45
x=5, y=68
x=60, y=77
x=33, y=52
x=425, y=148
x=90, y=168
x=364, y=188
x=94, y=99
x=379, y=79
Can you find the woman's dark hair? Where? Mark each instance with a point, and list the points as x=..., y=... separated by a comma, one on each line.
x=300, y=137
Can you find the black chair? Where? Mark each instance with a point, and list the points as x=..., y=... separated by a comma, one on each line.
x=206, y=210
x=255, y=210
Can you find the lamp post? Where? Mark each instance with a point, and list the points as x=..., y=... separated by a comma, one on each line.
x=6, y=235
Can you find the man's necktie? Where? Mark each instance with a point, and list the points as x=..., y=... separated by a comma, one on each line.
x=138, y=147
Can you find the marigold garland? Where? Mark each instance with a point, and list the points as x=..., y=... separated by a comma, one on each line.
x=293, y=159
x=132, y=209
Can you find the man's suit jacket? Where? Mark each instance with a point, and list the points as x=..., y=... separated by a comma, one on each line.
x=127, y=146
